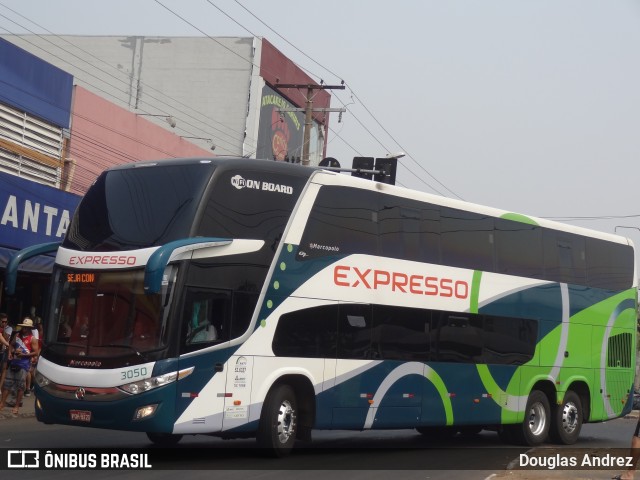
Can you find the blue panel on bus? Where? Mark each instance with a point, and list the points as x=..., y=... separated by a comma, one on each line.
x=32, y=85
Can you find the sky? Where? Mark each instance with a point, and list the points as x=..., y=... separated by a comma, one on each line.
x=531, y=106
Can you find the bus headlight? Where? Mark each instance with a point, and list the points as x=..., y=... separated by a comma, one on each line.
x=41, y=380
x=149, y=383
x=145, y=412
x=145, y=385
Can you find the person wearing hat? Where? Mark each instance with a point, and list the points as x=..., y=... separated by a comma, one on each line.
x=23, y=347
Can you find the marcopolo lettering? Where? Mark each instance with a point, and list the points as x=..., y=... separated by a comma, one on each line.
x=376, y=279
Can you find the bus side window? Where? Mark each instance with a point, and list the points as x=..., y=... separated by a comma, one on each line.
x=354, y=332
x=206, y=317
x=459, y=337
x=401, y=333
x=244, y=303
x=308, y=333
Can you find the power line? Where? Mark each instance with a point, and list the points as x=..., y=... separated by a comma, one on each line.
x=232, y=51
x=336, y=96
x=402, y=148
x=284, y=39
x=208, y=36
x=586, y=218
x=236, y=136
x=359, y=100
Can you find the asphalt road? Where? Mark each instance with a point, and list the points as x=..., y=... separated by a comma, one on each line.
x=372, y=455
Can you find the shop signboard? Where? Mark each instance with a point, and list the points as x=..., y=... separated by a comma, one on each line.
x=32, y=213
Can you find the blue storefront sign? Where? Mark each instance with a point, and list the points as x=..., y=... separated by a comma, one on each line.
x=32, y=85
x=31, y=213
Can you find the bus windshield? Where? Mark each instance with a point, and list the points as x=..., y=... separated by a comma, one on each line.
x=106, y=314
x=154, y=206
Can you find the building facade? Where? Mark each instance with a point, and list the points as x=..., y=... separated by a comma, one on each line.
x=72, y=106
x=55, y=138
x=219, y=92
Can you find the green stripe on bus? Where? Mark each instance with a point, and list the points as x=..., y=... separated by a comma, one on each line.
x=475, y=291
x=516, y=217
x=437, y=382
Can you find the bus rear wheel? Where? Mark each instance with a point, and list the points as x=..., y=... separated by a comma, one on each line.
x=567, y=420
x=164, y=439
x=278, y=421
x=534, y=430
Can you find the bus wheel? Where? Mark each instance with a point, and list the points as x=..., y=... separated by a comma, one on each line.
x=535, y=428
x=164, y=439
x=567, y=420
x=277, y=429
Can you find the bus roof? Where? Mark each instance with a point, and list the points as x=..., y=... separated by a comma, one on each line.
x=225, y=162
x=326, y=177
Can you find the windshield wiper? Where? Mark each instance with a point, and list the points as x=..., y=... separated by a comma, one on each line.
x=58, y=345
x=120, y=345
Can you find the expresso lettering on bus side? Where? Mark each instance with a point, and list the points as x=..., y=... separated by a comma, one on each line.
x=346, y=276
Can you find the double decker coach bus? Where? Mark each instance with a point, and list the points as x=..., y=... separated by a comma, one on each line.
x=240, y=298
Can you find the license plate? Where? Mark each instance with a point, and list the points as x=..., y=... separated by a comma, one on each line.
x=80, y=415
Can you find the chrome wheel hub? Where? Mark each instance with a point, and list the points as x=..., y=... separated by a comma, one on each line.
x=286, y=422
x=537, y=419
x=569, y=417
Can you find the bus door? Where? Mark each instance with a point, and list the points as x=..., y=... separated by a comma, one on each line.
x=239, y=368
x=201, y=396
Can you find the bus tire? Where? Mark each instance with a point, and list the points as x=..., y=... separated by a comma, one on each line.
x=567, y=420
x=534, y=430
x=164, y=439
x=278, y=422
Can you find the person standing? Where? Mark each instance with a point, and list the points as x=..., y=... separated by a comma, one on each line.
x=635, y=456
x=23, y=348
x=31, y=376
x=5, y=335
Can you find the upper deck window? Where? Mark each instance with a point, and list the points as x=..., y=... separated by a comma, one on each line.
x=251, y=204
x=138, y=207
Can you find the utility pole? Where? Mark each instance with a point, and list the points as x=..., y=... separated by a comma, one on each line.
x=308, y=110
